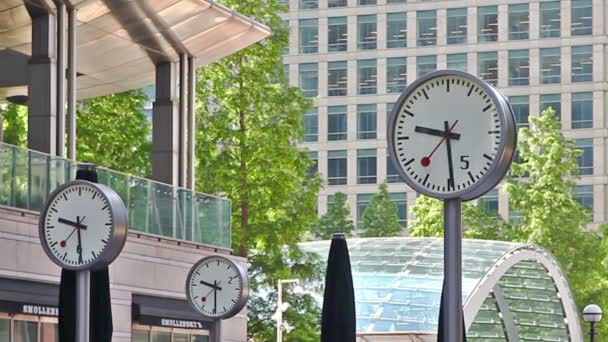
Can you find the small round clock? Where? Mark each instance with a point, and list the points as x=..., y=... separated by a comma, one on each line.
x=83, y=226
x=217, y=287
x=451, y=135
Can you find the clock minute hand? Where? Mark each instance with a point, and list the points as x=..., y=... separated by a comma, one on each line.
x=72, y=223
x=79, y=247
x=449, y=150
x=213, y=286
x=436, y=132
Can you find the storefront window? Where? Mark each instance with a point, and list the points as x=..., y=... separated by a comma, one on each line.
x=140, y=336
x=142, y=333
x=5, y=326
x=25, y=331
x=181, y=338
x=49, y=332
x=200, y=338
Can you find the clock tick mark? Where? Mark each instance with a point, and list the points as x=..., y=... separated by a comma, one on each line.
x=493, y=132
x=425, y=179
x=486, y=109
x=408, y=162
x=425, y=94
x=408, y=113
x=470, y=90
x=487, y=157
x=403, y=138
x=471, y=175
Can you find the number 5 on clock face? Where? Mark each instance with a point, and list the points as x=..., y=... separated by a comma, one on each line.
x=452, y=135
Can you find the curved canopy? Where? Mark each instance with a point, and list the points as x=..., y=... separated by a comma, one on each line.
x=511, y=291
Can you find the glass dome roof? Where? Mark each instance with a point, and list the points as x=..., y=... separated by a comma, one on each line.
x=508, y=288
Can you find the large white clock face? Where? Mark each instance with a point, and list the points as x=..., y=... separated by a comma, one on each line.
x=216, y=287
x=77, y=225
x=447, y=134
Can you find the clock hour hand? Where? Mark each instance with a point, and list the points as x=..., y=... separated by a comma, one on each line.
x=436, y=132
x=450, y=163
x=215, y=296
x=72, y=223
x=79, y=247
x=213, y=286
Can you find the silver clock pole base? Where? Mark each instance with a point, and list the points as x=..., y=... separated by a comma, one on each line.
x=452, y=268
x=83, y=302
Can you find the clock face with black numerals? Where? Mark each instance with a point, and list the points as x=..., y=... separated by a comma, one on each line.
x=217, y=287
x=83, y=226
x=452, y=135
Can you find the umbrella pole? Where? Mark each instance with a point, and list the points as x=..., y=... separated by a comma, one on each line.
x=279, y=312
x=452, y=305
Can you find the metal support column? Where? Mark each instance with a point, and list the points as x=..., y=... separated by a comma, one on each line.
x=183, y=120
x=217, y=331
x=191, y=122
x=83, y=301
x=60, y=102
x=71, y=117
x=165, y=126
x=452, y=297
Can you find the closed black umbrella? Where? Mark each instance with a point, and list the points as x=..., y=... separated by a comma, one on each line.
x=338, y=322
x=100, y=326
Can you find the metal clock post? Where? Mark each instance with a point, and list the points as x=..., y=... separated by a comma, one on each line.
x=217, y=288
x=94, y=216
x=452, y=136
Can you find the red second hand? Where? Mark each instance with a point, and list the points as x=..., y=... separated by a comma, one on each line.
x=426, y=161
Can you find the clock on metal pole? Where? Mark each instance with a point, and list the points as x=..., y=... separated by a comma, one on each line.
x=218, y=288
x=83, y=227
x=452, y=136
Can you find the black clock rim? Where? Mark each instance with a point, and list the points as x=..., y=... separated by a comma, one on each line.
x=118, y=230
x=243, y=296
x=504, y=155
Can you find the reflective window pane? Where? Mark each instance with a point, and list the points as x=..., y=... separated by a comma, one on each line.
x=311, y=125
x=366, y=166
x=25, y=331
x=49, y=332
x=309, y=36
x=337, y=34
x=519, y=21
x=177, y=337
x=396, y=74
x=582, y=110
x=457, y=61
x=582, y=63
x=489, y=202
x=457, y=25
x=309, y=4
x=488, y=67
x=367, y=77
x=487, y=24
x=309, y=79
x=367, y=32
x=426, y=64
x=140, y=336
x=313, y=169
x=391, y=172
x=521, y=110
x=550, y=65
x=550, y=19
x=583, y=194
x=552, y=101
x=5, y=329
x=336, y=78
x=363, y=201
x=336, y=3
x=400, y=200
x=519, y=67
x=336, y=167
x=336, y=123
x=396, y=30
x=582, y=18
x=427, y=28
x=366, y=121
x=585, y=161
x=367, y=2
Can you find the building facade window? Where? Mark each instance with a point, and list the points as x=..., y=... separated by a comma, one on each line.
x=367, y=2
x=550, y=19
x=519, y=21
x=553, y=101
x=367, y=76
x=337, y=34
x=311, y=125
x=309, y=36
x=487, y=67
x=457, y=25
x=337, y=3
x=457, y=61
x=336, y=167
x=337, y=126
x=392, y=176
x=487, y=24
x=363, y=201
x=309, y=79
x=284, y=3
x=367, y=32
x=583, y=194
x=489, y=202
x=585, y=160
x=550, y=65
x=395, y=1
x=313, y=169
x=519, y=67
x=366, y=166
x=427, y=28
x=400, y=200
x=366, y=121
x=582, y=110
x=581, y=20
x=396, y=74
x=309, y=4
x=336, y=78
x=426, y=64
x=396, y=30
x=582, y=63
x=521, y=109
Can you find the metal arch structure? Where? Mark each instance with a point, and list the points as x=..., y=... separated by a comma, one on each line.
x=524, y=253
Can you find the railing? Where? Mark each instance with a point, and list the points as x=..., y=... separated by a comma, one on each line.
x=27, y=177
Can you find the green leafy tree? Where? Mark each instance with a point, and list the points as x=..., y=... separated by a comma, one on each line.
x=114, y=132
x=336, y=220
x=249, y=121
x=14, y=125
x=380, y=218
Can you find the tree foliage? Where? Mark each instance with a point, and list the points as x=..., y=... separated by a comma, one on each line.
x=248, y=122
x=14, y=119
x=380, y=218
x=336, y=220
x=114, y=132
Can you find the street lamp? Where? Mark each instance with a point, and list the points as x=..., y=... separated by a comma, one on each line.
x=592, y=314
x=282, y=307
